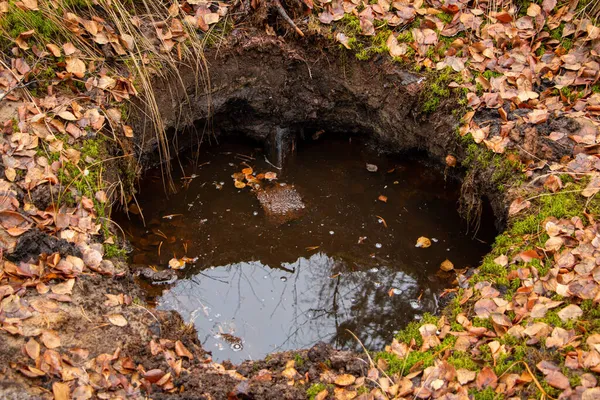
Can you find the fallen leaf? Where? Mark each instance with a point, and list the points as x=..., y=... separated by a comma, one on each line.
x=518, y=205
x=382, y=198
x=572, y=311
x=32, y=348
x=61, y=391
x=117, y=320
x=423, y=242
x=345, y=380
x=50, y=339
x=592, y=188
x=447, y=266
x=182, y=351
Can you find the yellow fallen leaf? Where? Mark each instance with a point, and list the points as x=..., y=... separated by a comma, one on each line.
x=117, y=320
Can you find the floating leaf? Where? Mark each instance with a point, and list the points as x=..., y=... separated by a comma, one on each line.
x=447, y=266
x=423, y=242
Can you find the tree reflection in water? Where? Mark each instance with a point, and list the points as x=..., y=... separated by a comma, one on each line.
x=296, y=306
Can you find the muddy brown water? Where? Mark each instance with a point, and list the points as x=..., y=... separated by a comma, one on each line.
x=253, y=285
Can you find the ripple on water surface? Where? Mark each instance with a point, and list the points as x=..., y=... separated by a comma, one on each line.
x=348, y=261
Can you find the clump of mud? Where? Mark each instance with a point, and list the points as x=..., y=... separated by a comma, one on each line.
x=282, y=203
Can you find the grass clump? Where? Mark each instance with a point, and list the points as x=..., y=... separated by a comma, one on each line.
x=463, y=360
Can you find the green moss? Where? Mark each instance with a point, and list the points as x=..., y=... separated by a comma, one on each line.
x=564, y=204
x=17, y=21
x=362, y=390
x=486, y=394
x=437, y=88
x=315, y=389
x=397, y=365
x=298, y=360
x=461, y=359
x=554, y=320
x=483, y=322
x=444, y=17
x=491, y=74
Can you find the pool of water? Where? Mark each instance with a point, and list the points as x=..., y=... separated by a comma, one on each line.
x=252, y=284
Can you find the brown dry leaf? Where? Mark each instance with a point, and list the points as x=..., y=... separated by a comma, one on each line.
x=592, y=188
x=395, y=49
x=64, y=288
x=117, y=320
x=270, y=176
x=247, y=171
x=465, y=376
x=128, y=131
x=61, y=391
x=32, y=348
x=31, y=4
x=423, y=242
x=485, y=378
x=571, y=311
x=50, y=339
x=553, y=183
x=67, y=116
x=11, y=174
x=345, y=380
x=343, y=39
x=76, y=67
x=54, y=49
x=182, y=351
x=518, y=205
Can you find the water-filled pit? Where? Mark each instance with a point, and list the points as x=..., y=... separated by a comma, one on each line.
x=255, y=283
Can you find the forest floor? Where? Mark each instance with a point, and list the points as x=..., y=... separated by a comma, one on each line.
x=523, y=81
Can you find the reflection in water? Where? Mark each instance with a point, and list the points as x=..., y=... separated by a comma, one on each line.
x=348, y=263
x=253, y=302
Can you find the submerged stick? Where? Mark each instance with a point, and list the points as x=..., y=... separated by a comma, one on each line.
x=286, y=17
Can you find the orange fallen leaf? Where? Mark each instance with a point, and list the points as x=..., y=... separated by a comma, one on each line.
x=382, y=198
x=423, y=242
x=50, y=339
x=345, y=380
